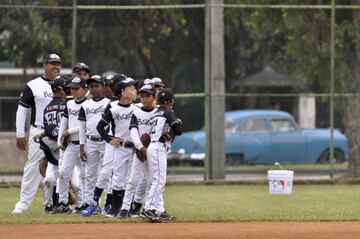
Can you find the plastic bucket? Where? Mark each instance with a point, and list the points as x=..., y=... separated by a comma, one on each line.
x=280, y=181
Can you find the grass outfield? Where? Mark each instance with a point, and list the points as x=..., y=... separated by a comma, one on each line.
x=221, y=203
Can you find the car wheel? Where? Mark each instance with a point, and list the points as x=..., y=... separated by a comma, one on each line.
x=338, y=155
x=234, y=159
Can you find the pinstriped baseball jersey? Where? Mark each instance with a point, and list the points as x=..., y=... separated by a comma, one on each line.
x=164, y=121
x=54, y=111
x=119, y=117
x=141, y=119
x=91, y=111
x=72, y=113
x=36, y=95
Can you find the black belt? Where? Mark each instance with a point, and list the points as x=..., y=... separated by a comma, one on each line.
x=94, y=138
x=77, y=142
x=38, y=126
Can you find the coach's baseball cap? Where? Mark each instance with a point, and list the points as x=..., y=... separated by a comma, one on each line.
x=58, y=84
x=148, y=89
x=165, y=96
x=52, y=131
x=52, y=58
x=77, y=82
x=95, y=78
x=81, y=66
x=120, y=86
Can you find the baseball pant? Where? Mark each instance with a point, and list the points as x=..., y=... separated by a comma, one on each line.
x=104, y=178
x=139, y=170
x=142, y=188
x=121, y=167
x=66, y=169
x=157, y=160
x=52, y=174
x=31, y=176
x=95, y=153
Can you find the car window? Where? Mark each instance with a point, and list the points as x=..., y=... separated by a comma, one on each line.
x=282, y=125
x=253, y=125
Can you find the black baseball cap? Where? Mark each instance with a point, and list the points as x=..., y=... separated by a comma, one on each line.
x=77, y=82
x=116, y=79
x=148, y=89
x=52, y=131
x=108, y=79
x=119, y=87
x=81, y=66
x=52, y=57
x=165, y=96
x=58, y=84
x=95, y=78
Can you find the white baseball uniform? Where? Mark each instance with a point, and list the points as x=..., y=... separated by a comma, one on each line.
x=140, y=124
x=71, y=155
x=119, y=117
x=163, y=122
x=91, y=113
x=35, y=96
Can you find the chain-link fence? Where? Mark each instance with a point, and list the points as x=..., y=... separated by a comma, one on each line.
x=275, y=53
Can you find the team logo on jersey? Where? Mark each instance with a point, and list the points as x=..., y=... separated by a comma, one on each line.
x=101, y=109
x=73, y=112
x=47, y=94
x=143, y=121
x=123, y=116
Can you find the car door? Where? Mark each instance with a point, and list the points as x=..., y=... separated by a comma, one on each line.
x=251, y=139
x=288, y=143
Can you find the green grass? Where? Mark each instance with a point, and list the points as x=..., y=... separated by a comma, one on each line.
x=257, y=168
x=222, y=203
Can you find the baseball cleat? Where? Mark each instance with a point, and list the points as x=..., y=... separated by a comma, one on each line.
x=135, y=209
x=123, y=214
x=106, y=210
x=166, y=217
x=151, y=215
x=18, y=211
x=92, y=209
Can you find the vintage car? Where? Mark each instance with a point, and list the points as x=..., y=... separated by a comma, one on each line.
x=266, y=137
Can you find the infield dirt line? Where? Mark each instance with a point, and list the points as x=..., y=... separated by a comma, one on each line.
x=258, y=230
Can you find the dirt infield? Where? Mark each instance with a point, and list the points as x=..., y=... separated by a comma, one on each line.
x=259, y=230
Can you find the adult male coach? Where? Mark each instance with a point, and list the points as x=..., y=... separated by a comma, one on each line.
x=35, y=96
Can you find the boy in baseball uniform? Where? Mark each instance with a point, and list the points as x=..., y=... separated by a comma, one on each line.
x=119, y=117
x=104, y=177
x=140, y=124
x=69, y=128
x=164, y=127
x=92, y=145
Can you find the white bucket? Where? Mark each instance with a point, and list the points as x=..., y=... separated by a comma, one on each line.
x=280, y=181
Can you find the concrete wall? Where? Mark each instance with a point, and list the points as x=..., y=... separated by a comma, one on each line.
x=10, y=157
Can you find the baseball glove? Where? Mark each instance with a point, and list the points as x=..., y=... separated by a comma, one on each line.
x=43, y=166
x=145, y=140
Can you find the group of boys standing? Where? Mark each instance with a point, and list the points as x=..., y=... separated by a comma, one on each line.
x=88, y=128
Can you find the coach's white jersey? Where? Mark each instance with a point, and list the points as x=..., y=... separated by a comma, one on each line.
x=119, y=116
x=36, y=95
x=92, y=111
x=141, y=119
x=72, y=113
